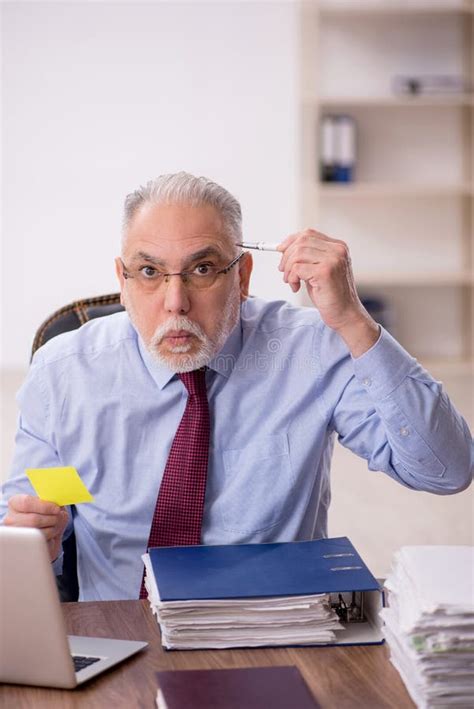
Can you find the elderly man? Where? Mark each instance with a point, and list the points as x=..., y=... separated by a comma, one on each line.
x=203, y=415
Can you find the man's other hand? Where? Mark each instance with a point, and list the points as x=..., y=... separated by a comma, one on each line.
x=324, y=265
x=29, y=511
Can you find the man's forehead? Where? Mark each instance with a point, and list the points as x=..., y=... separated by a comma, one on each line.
x=185, y=247
x=176, y=218
x=176, y=228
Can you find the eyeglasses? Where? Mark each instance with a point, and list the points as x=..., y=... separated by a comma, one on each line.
x=203, y=276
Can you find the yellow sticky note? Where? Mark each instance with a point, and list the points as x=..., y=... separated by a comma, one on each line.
x=60, y=485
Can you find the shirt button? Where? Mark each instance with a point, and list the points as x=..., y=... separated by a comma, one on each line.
x=404, y=431
x=367, y=382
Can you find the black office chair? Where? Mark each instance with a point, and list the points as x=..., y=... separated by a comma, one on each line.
x=70, y=317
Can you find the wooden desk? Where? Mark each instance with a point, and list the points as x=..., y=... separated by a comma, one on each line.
x=359, y=677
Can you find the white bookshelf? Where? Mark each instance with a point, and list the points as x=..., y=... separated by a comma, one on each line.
x=334, y=102
x=380, y=189
x=356, y=8
x=408, y=216
x=395, y=11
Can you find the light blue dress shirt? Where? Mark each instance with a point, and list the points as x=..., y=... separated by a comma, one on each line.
x=283, y=385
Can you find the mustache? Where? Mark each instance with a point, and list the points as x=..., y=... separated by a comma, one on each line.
x=178, y=322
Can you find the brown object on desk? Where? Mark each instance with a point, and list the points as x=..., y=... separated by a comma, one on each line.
x=338, y=677
x=249, y=687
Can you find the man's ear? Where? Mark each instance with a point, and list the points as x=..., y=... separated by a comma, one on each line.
x=245, y=270
x=121, y=279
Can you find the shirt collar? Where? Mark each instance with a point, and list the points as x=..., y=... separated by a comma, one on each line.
x=223, y=363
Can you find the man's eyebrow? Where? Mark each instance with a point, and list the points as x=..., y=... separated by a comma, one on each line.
x=143, y=256
x=203, y=253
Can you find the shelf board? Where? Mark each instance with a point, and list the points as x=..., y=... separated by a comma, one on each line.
x=414, y=8
x=422, y=279
x=399, y=101
x=357, y=190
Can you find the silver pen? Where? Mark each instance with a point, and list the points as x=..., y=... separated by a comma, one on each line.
x=259, y=245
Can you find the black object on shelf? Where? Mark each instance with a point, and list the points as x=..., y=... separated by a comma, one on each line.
x=430, y=84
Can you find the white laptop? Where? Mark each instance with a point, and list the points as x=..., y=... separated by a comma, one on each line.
x=34, y=647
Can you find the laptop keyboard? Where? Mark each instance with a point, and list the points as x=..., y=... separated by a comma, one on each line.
x=81, y=662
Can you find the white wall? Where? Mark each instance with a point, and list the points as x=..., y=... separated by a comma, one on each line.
x=99, y=97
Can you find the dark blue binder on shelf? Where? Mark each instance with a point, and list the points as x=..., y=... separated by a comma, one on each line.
x=272, y=570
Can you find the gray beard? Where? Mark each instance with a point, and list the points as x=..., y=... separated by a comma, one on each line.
x=179, y=360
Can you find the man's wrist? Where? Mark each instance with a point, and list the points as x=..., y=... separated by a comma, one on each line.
x=360, y=334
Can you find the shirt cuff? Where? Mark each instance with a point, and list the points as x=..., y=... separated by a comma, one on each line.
x=384, y=366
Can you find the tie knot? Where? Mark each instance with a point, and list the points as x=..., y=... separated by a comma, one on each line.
x=195, y=381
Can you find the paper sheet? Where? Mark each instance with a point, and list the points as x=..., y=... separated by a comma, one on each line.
x=60, y=485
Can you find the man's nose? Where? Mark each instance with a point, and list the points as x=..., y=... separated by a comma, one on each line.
x=176, y=295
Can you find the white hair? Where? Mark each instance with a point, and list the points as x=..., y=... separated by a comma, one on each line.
x=184, y=188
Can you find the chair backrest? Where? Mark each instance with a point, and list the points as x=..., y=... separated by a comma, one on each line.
x=70, y=317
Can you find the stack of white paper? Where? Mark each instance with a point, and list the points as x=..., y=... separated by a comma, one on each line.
x=429, y=623
x=254, y=622
x=250, y=623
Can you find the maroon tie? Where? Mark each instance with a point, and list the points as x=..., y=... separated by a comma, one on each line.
x=178, y=511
